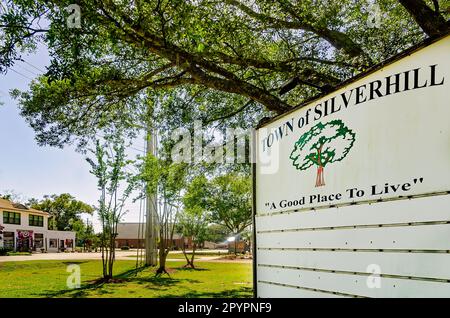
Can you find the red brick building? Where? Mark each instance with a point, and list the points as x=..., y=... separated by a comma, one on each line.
x=132, y=235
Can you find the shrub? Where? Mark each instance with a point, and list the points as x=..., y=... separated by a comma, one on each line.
x=125, y=248
x=4, y=251
x=18, y=253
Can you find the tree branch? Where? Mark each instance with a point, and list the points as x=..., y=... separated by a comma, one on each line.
x=5, y=26
x=431, y=22
x=233, y=113
x=336, y=38
x=227, y=82
x=281, y=66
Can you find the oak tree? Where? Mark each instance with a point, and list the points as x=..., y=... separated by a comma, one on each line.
x=245, y=53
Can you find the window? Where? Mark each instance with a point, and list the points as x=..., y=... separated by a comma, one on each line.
x=69, y=243
x=53, y=243
x=36, y=220
x=11, y=217
x=8, y=238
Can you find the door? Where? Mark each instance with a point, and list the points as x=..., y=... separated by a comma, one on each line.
x=24, y=241
x=38, y=241
x=8, y=240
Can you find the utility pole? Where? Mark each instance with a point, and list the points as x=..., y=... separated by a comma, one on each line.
x=151, y=210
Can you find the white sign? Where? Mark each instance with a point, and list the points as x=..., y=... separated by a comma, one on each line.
x=385, y=135
x=383, y=142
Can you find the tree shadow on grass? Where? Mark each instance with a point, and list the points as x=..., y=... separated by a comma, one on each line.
x=131, y=273
x=74, y=262
x=242, y=292
x=92, y=285
x=74, y=293
x=161, y=282
x=190, y=269
x=151, y=282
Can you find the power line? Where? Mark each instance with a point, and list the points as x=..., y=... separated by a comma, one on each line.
x=130, y=170
x=17, y=72
x=35, y=67
x=131, y=147
x=135, y=144
x=24, y=68
x=137, y=149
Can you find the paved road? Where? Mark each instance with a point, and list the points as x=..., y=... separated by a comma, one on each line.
x=120, y=255
x=64, y=256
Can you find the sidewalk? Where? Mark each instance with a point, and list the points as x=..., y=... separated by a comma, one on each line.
x=64, y=256
x=120, y=255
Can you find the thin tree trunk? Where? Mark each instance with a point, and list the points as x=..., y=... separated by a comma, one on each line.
x=188, y=262
x=319, y=178
x=111, y=256
x=194, y=247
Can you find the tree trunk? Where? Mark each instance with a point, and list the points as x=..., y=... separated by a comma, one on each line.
x=112, y=257
x=104, y=258
x=194, y=247
x=162, y=265
x=320, y=181
x=431, y=22
x=319, y=177
x=188, y=261
x=163, y=252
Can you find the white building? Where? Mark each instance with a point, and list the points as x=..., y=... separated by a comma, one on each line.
x=25, y=229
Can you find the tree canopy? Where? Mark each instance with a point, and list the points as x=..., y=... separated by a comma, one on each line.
x=232, y=55
x=227, y=199
x=65, y=210
x=321, y=145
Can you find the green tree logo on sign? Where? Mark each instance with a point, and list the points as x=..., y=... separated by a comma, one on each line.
x=321, y=145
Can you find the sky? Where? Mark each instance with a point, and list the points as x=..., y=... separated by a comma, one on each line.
x=32, y=171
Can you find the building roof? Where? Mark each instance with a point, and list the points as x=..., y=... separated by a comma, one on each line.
x=132, y=231
x=7, y=205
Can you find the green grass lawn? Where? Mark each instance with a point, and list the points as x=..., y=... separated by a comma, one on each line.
x=197, y=255
x=48, y=279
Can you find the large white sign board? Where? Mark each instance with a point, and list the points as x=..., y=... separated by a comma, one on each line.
x=385, y=135
x=382, y=138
